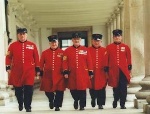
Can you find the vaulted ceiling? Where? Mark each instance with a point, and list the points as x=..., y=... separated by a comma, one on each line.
x=70, y=13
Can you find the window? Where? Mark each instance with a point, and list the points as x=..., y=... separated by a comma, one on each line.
x=65, y=39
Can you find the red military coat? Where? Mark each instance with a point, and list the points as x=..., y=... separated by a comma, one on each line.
x=119, y=57
x=23, y=58
x=51, y=65
x=98, y=55
x=78, y=62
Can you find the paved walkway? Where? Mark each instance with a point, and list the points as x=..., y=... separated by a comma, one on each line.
x=40, y=106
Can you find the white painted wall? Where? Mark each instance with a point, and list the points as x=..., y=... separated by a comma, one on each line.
x=101, y=30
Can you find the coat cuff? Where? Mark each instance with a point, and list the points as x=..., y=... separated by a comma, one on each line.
x=7, y=67
x=37, y=69
x=65, y=72
x=106, y=69
x=91, y=73
x=129, y=67
x=41, y=73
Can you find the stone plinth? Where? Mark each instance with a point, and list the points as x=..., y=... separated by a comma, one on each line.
x=146, y=108
x=138, y=103
x=6, y=94
x=142, y=94
x=133, y=87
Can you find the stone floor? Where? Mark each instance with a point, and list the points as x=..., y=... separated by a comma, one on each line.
x=40, y=106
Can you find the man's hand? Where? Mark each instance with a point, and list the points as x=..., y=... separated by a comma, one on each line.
x=130, y=67
x=8, y=71
x=38, y=73
x=38, y=77
x=106, y=69
x=91, y=74
x=66, y=73
x=66, y=76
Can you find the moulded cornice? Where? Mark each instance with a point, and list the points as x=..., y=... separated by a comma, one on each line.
x=22, y=14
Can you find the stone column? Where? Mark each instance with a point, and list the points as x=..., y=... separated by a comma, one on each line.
x=121, y=7
x=140, y=12
x=37, y=38
x=3, y=37
x=12, y=23
x=144, y=93
x=5, y=94
x=146, y=108
x=133, y=32
x=114, y=24
x=108, y=33
x=114, y=21
x=44, y=33
x=111, y=29
x=118, y=18
x=37, y=42
x=126, y=21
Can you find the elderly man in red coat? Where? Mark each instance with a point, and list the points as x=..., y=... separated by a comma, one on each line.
x=99, y=80
x=22, y=60
x=118, y=66
x=77, y=66
x=52, y=80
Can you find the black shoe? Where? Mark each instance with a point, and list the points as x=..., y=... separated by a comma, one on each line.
x=75, y=105
x=81, y=108
x=20, y=107
x=100, y=107
x=93, y=103
x=51, y=105
x=122, y=107
x=114, y=104
x=57, y=109
x=28, y=110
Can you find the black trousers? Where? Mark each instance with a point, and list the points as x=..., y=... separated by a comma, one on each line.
x=79, y=95
x=100, y=95
x=24, y=95
x=55, y=97
x=120, y=92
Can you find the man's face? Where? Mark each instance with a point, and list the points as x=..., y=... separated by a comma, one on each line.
x=76, y=41
x=96, y=43
x=117, y=39
x=54, y=44
x=22, y=36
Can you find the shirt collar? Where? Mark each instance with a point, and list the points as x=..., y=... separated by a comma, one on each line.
x=22, y=42
x=95, y=47
x=53, y=49
x=76, y=47
x=117, y=43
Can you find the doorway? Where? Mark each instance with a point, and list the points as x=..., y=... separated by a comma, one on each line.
x=65, y=39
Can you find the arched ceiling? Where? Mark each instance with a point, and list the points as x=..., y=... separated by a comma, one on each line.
x=70, y=13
